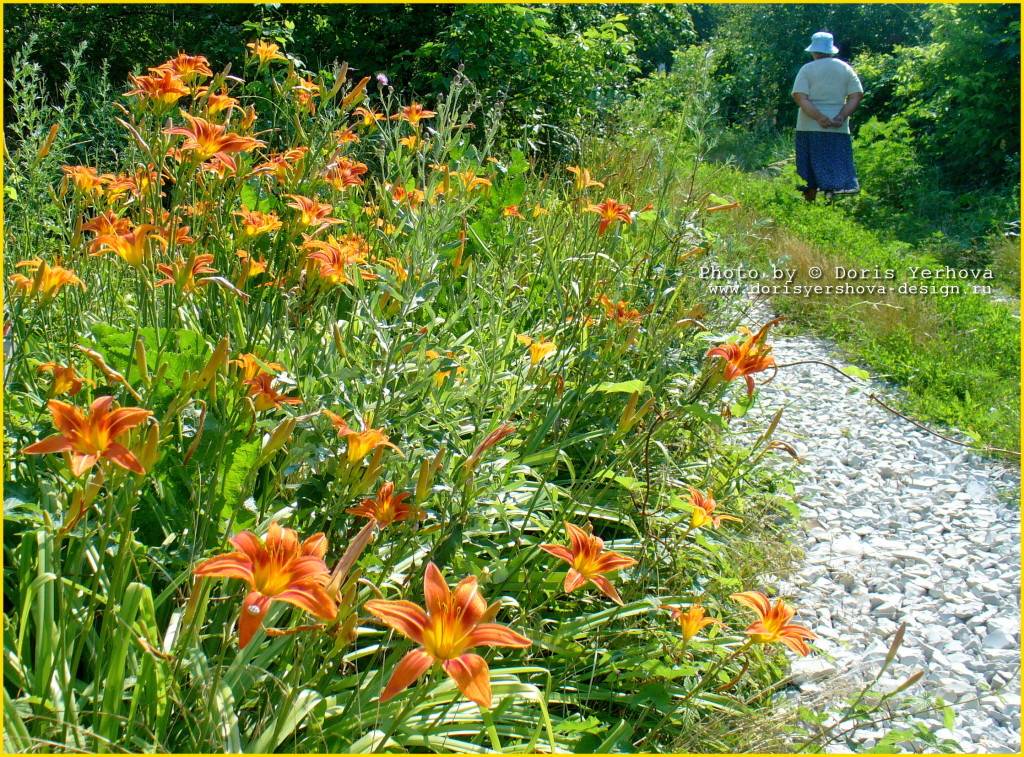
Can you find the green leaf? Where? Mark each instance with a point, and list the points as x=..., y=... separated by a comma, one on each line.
x=249, y=197
x=621, y=387
x=858, y=373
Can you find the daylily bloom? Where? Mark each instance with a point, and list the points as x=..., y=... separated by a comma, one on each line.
x=265, y=396
x=88, y=437
x=539, y=210
x=312, y=213
x=453, y=623
x=281, y=569
x=692, y=620
x=511, y=211
x=65, y=379
x=360, y=443
x=752, y=356
x=256, y=222
x=413, y=114
x=400, y=194
x=386, y=508
x=620, y=312
x=130, y=245
x=344, y=173
x=45, y=280
x=250, y=267
x=470, y=180
x=540, y=348
x=183, y=273
x=411, y=142
x=216, y=102
x=773, y=623
x=253, y=366
x=265, y=51
x=582, y=178
x=346, y=137
x=85, y=178
x=588, y=560
x=189, y=68
x=283, y=166
x=162, y=87
x=107, y=223
x=335, y=258
x=133, y=185
x=369, y=117
x=610, y=212
x=703, y=506
x=210, y=140
x=304, y=90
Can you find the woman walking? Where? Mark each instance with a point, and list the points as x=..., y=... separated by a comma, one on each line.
x=827, y=91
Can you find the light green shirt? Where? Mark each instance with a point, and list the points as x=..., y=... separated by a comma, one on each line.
x=827, y=82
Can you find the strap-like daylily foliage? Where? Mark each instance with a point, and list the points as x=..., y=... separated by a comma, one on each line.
x=292, y=303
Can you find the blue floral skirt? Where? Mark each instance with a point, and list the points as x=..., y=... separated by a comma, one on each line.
x=825, y=161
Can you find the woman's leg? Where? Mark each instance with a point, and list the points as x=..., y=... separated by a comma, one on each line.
x=805, y=165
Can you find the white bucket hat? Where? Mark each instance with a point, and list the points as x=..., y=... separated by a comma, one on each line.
x=821, y=42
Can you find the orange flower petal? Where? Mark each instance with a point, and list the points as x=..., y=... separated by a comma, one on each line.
x=234, y=565
x=472, y=676
x=573, y=580
x=607, y=589
x=411, y=667
x=495, y=635
x=405, y=617
x=435, y=590
x=254, y=608
x=49, y=445
x=313, y=599
x=562, y=553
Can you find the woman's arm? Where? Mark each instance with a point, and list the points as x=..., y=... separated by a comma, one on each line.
x=851, y=105
x=812, y=112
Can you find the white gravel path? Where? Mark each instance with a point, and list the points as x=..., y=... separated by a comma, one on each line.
x=901, y=526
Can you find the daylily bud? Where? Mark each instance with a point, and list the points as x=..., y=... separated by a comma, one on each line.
x=44, y=149
x=339, y=343
x=372, y=472
x=356, y=94
x=82, y=500
x=277, y=438
x=504, y=430
x=218, y=361
x=626, y=417
x=140, y=361
x=147, y=455
x=428, y=470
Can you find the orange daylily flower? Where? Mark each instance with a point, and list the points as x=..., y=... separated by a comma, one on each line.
x=411, y=142
x=773, y=623
x=540, y=348
x=335, y=258
x=217, y=102
x=588, y=560
x=369, y=117
x=130, y=245
x=413, y=114
x=65, y=379
x=470, y=180
x=45, y=280
x=752, y=356
x=692, y=620
x=256, y=222
x=188, y=67
x=107, y=223
x=346, y=137
x=360, y=443
x=85, y=178
x=133, y=185
x=610, y=212
x=265, y=396
x=253, y=366
x=620, y=312
x=453, y=623
x=277, y=569
x=703, y=506
x=344, y=173
x=511, y=211
x=387, y=507
x=583, y=179
x=182, y=273
x=210, y=140
x=251, y=267
x=89, y=437
x=283, y=166
x=313, y=213
x=400, y=194
x=304, y=90
x=265, y=51
x=161, y=86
